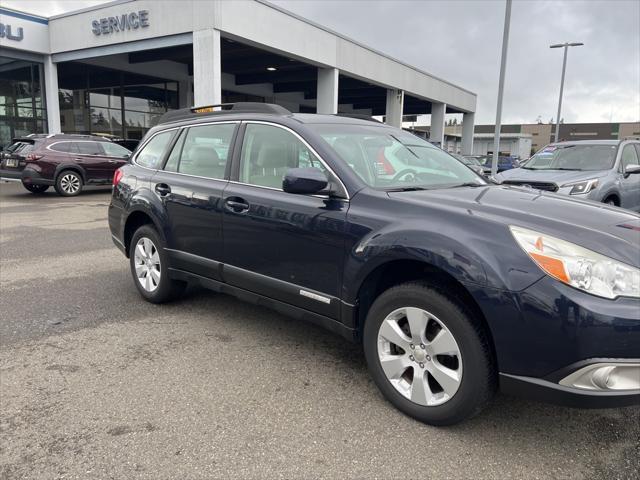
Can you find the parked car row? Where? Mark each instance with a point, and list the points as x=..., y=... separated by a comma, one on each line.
x=454, y=286
x=600, y=170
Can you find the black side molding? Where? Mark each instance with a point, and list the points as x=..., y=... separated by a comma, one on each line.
x=289, y=310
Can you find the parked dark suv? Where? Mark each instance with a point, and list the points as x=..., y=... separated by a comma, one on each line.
x=454, y=286
x=68, y=162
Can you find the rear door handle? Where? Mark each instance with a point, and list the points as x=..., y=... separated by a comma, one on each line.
x=163, y=189
x=113, y=161
x=236, y=205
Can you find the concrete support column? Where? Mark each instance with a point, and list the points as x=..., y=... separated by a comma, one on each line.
x=207, y=70
x=395, y=102
x=185, y=99
x=327, y=101
x=437, y=123
x=51, y=95
x=468, y=122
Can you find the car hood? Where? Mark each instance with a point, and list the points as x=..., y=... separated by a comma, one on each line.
x=608, y=230
x=559, y=177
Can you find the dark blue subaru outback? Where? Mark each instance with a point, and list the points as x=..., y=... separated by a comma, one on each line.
x=454, y=286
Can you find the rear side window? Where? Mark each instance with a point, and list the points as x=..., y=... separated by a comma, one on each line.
x=174, y=157
x=205, y=150
x=153, y=152
x=64, y=147
x=89, y=148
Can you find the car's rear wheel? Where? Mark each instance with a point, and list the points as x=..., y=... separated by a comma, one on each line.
x=428, y=355
x=35, y=188
x=150, y=267
x=68, y=183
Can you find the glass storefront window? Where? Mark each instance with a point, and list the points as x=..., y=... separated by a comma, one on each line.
x=100, y=100
x=21, y=101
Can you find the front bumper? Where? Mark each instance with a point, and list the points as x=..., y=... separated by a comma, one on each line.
x=548, y=331
x=551, y=390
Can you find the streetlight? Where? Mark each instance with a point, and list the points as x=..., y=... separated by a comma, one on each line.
x=564, y=67
x=503, y=68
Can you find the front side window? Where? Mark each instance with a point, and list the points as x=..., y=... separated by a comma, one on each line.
x=205, y=150
x=153, y=152
x=269, y=151
x=387, y=158
x=573, y=157
x=629, y=157
x=115, y=150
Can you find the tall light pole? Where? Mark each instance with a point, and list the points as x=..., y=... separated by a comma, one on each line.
x=503, y=66
x=564, y=68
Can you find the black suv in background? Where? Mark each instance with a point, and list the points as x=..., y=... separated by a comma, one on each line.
x=68, y=162
x=454, y=286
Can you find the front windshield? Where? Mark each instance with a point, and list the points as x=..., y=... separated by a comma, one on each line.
x=391, y=159
x=573, y=157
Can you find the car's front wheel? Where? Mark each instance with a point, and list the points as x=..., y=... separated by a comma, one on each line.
x=150, y=267
x=69, y=183
x=428, y=355
x=35, y=188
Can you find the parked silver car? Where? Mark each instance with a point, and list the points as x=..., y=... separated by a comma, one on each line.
x=602, y=170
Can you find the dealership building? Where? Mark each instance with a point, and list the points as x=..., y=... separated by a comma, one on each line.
x=115, y=68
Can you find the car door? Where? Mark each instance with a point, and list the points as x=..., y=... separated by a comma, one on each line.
x=629, y=184
x=90, y=156
x=285, y=246
x=115, y=156
x=190, y=186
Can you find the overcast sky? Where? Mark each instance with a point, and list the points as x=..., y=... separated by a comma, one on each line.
x=460, y=41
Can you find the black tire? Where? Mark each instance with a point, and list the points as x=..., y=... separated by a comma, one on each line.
x=69, y=183
x=35, y=188
x=478, y=382
x=167, y=289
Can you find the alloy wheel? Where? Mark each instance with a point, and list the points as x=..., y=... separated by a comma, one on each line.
x=419, y=356
x=70, y=183
x=147, y=264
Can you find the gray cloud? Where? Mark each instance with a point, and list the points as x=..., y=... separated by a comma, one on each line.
x=460, y=40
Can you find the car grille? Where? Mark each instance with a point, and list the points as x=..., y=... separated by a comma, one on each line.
x=546, y=186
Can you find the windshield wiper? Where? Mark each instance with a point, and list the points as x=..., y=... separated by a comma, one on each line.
x=405, y=189
x=470, y=184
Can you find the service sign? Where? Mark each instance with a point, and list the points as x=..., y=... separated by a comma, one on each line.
x=120, y=23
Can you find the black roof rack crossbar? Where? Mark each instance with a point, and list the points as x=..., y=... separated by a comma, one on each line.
x=223, y=108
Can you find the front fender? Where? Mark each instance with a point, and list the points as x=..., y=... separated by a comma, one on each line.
x=431, y=248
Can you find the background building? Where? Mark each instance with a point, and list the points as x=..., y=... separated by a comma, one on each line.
x=522, y=140
x=116, y=67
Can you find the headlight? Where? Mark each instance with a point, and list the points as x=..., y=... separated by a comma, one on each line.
x=584, y=186
x=579, y=267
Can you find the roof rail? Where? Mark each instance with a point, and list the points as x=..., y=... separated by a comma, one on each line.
x=359, y=116
x=223, y=108
x=631, y=137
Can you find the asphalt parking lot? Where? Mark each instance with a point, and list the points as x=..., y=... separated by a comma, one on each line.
x=96, y=383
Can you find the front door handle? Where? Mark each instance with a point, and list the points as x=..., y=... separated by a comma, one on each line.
x=236, y=205
x=113, y=161
x=163, y=189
